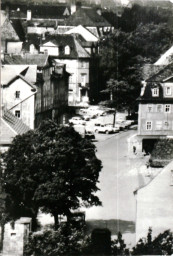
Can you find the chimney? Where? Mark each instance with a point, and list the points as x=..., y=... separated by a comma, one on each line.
x=29, y=15
x=73, y=6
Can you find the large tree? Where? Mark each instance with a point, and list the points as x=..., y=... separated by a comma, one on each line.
x=53, y=168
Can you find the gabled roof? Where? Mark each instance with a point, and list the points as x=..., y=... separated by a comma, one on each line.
x=17, y=25
x=10, y=72
x=165, y=59
x=15, y=123
x=41, y=60
x=76, y=50
x=85, y=33
x=87, y=17
x=162, y=74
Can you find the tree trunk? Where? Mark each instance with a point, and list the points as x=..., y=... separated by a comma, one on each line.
x=56, y=221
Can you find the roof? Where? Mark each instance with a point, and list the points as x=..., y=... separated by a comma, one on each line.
x=111, y=17
x=41, y=60
x=15, y=123
x=162, y=74
x=87, y=17
x=10, y=72
x=62, y=40
x=40, y=11
x=165, y=59
x=85, y=33
x=17, y=25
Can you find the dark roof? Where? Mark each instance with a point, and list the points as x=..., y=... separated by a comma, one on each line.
x=155, y=81
x=111, y=17
x=17, y=25
x=42, y=23
x=41, y=60
x=76, y=50
x=40, y=11
x=87, y=17
x=162, y=74
x=15, y=123
x=34, y=39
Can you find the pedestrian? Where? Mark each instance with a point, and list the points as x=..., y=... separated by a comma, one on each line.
x=134, y=149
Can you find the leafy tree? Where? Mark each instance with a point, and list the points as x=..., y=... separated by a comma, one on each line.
x=123, y=54
x=161, y=245
x=119, y=247
x=53, y=168
x=66, y=240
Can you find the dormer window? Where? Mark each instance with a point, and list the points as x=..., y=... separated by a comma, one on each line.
x=155, y=92
x=67, y=50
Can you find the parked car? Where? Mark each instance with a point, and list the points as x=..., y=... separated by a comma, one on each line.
x=86, y=117
x=115, y=128
x=89, y=135
x=102, y=128
x=77, y=120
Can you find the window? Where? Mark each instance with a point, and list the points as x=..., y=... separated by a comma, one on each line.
x=159, y=108
x=17, y=113
x=158, y=125
x=83, y=64
x=155, y=92
x=149, y=125
x=166, y=125
x=17, y=94
x=83, y=79
x=167, y=108
x=168, y=91
x=71, y=78
x=67, y=50
x=150, y=108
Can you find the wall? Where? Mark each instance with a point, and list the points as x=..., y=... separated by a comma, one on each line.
x=154, y=116
x=75, y=68
x=14, y=47
x=155, y=205
x=25, y=104
x=15, y=237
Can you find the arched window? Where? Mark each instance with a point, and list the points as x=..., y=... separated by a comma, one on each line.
x=67, y=50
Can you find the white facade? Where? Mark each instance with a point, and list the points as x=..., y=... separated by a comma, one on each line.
x=19, y=98
x=155, y=204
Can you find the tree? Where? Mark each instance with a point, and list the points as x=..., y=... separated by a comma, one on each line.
x=52, y=168
x=66, y=240
x=161, y=245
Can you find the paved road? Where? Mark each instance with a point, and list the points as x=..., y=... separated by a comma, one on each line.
x=118, y=179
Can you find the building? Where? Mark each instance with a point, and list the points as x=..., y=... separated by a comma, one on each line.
x=51, y=82
x=66, y=49
x=88, y=18
x=19, y=91
x=12, y=35
x=10, y=126
x=155, y=114
x=154, y=204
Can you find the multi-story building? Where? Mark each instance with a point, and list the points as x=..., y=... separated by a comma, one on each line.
x=66, y=49
x=51, y=82
x=155, y=115
x=18, y=92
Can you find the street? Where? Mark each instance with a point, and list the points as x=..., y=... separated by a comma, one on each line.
x=118, y=179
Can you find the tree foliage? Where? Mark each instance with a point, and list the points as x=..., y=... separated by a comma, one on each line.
x=66, y=240
x=123, y=54
x=53, y=168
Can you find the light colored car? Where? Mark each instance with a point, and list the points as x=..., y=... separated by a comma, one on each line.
x=115, y=128
x=77, y=120
x=102, y=128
